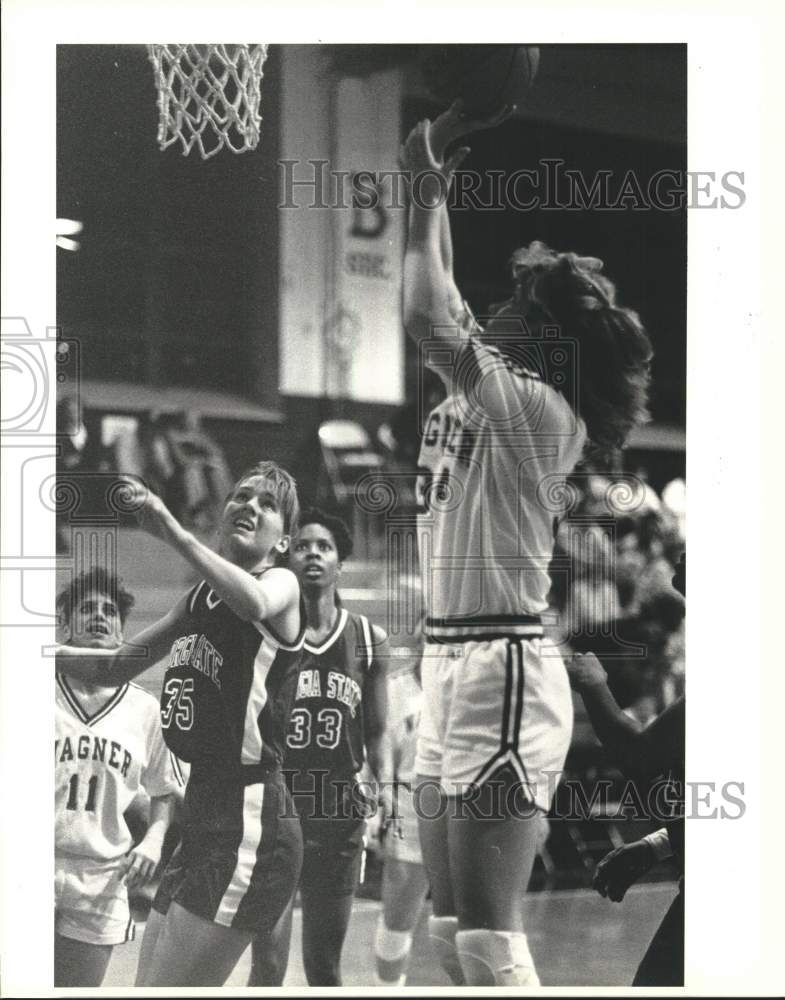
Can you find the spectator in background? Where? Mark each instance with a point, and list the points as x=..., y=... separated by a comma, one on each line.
x=654, y=531
x=186, y=467
x=160, y=470
x=618, y=600
x=201, y=467
x=79, y=453
x=79, y=448
x=674, y=498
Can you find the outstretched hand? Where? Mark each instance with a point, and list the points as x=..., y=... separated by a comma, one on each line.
x=424, y=151
x=151, y=512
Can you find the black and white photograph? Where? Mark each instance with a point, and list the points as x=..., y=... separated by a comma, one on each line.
x=365, y=396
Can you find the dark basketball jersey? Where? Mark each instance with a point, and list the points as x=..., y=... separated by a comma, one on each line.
x=227, y=688
x=326, y=723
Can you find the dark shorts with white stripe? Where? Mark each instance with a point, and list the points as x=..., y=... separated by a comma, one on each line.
x=333, y=851
x=240, y=857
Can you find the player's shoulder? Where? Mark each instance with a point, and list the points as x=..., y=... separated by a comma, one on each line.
x=140, y=696
x=365, y=625
x=378, y=633
x=279, y=576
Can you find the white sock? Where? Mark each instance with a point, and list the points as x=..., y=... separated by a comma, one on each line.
x=392, y=948
x=378, y=981
x=495, y=958
x=442, y=931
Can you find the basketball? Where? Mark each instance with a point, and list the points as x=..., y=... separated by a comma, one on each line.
x=485, y=77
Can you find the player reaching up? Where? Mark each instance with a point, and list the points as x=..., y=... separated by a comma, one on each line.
x=232, y=645
x=497, y=713
x=108, y=747
x=337, y=726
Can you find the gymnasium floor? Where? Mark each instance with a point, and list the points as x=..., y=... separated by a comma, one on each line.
x=577, y=939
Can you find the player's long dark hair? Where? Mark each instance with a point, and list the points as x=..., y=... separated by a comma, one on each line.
x=614, y=350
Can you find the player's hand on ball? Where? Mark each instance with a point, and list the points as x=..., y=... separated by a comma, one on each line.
x=455, y=122
x=584, y=670
x=431, y=176
x=618, y=870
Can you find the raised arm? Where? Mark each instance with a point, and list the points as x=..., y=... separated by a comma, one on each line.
x=251, y=599
x=432, y=303
x=430, y=298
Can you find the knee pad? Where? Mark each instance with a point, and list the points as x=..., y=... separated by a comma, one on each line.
x=442, y=931
x=391, y=946
x=495, y=958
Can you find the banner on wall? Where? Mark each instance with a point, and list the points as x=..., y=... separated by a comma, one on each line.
x=364, y=332
x=342, y=235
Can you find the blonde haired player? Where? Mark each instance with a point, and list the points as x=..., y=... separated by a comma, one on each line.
x=108, y=747
x=497, y=715
x=232, y=645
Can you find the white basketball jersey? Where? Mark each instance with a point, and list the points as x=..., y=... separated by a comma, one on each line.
x=403, y=715
x=493, y=456
x=102, y=760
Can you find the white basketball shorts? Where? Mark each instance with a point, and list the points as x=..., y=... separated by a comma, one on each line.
x=494, y=705
x=91, y=901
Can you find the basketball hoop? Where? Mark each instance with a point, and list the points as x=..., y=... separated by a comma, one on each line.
x=208, y=96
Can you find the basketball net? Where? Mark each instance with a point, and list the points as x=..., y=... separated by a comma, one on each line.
x=208, y=96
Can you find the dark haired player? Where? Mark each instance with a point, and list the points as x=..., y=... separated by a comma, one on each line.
x=108, y=747
x=232, y=646
x=497, y=708
x=336, y=726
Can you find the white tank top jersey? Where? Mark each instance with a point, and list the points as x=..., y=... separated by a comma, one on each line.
x=102, y=761
x=494, y=454
x=403, y=715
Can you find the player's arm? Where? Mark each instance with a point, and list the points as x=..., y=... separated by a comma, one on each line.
x=637, y=750
x=432, y=304
x=143, y=859
x=378, y=750
x=251, y=600
x=112, y=667
x=430, y=300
